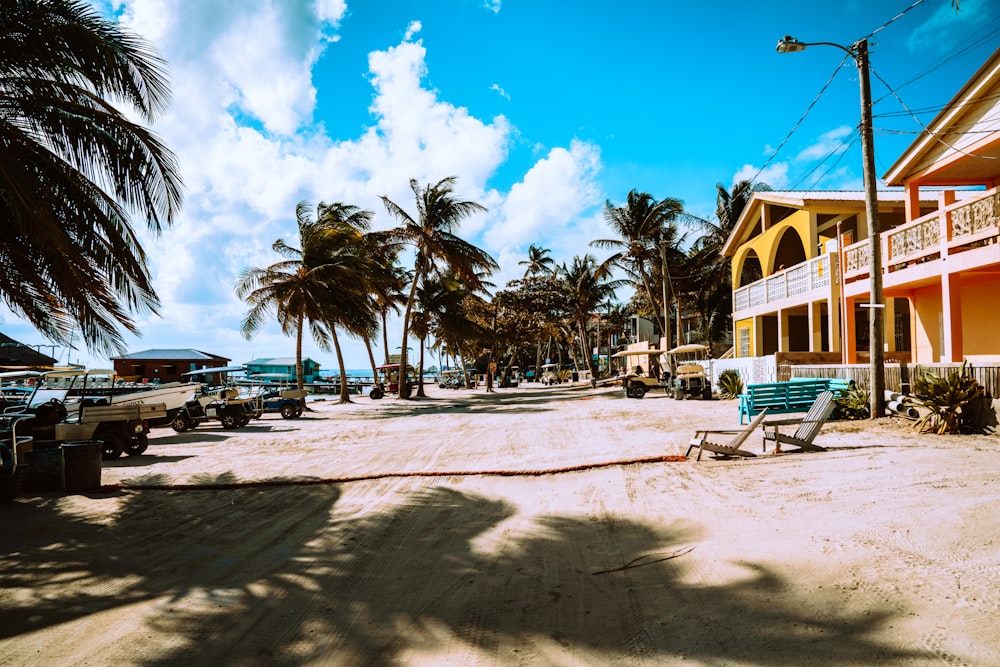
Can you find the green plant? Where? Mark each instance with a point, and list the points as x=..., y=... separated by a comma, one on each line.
x=853, y=403
x=944, y=398
x=730, y=384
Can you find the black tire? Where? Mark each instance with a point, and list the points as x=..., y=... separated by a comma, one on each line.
x=244, y=420
x=138, y=445
x=229, y=420
x=298, y=411
x=375, y=394
x=182, y=423
x=706, y=393
x=114, y=444
x=636, y=390
x=288, y=411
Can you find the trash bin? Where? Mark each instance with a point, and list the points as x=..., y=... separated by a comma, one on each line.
x=45, y=469
x=576, y=376
x=82, y=464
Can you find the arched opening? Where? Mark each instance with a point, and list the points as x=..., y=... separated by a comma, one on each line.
x=751, y=270
x=790, y=251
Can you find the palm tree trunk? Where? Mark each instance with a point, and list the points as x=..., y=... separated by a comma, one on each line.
x=371, y=359
x=385, y=341
x=404, y=384
x=345, y=395
x=420, y=371
x=299, y=383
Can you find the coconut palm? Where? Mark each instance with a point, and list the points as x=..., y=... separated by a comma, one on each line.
x=538, y=261
x=432, y=234
x=714, y=299
x=75, y=170
x=588, y=287
x=643, y=225
x=323, y=283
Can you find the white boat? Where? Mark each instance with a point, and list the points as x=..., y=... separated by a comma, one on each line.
x=99, y=386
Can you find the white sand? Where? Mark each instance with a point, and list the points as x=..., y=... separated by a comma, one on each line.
x=883, y=550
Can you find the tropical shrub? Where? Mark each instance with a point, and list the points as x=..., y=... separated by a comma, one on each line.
x=944, y=398
x=853, y=403
x=730, y=383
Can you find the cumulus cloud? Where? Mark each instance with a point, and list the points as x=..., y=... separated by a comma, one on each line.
x=938, y=32
x=775, y=175
x=829, y=143
x=243, y=75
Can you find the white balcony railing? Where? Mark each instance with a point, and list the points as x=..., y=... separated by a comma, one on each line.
x=800, y=279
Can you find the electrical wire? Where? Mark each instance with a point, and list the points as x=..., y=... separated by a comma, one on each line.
x=892, y=20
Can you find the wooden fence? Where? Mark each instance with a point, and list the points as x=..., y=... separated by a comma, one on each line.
x=898, y=377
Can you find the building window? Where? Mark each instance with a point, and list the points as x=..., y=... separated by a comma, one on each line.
x=743, y=341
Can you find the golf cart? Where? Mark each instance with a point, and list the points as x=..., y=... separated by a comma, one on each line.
x=641, y=379
x=388, y=380
x=550, y=374
x=218, y=400
x=689, y=366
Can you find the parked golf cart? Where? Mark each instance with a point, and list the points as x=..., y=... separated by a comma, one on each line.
x=388, y=380
x=689, y=366
x=218, y=399
x=289, y=403
x=641, y=378
x=550, y=374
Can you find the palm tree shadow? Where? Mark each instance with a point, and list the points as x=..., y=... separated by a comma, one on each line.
x=441, y=570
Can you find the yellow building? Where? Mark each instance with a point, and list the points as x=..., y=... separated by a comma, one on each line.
x=940, y=256
x=788, y=292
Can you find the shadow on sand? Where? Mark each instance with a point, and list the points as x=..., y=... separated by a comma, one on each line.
x=258, y=576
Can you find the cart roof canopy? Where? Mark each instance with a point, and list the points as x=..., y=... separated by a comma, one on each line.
x=686, y=349
x=636, y=353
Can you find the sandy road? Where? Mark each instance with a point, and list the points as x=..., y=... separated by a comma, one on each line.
x=883, y=550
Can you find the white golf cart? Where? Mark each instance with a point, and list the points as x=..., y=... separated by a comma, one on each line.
x=689, y=368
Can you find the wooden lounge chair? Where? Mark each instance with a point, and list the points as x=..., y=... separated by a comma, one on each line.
x=731, y=448
x=808, y=426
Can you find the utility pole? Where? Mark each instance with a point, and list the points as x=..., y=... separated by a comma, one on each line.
x=859, y=52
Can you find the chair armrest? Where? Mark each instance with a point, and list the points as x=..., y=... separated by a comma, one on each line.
x=782, y=422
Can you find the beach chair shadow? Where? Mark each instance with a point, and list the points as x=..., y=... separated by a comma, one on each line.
x=808, y=427
x=702, y=440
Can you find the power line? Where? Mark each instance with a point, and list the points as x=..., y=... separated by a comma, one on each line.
x=893, y=19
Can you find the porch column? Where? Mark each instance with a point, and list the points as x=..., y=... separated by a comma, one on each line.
x=889, y=323
x=850, y=342
x=758, y=336
x=951, y=310
x=815, y=326
x=782, y=330
x=834, y=322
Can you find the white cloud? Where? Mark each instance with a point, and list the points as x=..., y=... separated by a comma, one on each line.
x=775, y=175
x=938, y=32
x=492, y=5
x=241, y=124
x=829, y=143
x=500, y=91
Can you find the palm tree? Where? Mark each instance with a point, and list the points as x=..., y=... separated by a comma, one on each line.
x=538, y=261
x=643, y=225
x=715, y=297
x=588, y=287
x=323, y=283
x=432, y=235
x=74, y=170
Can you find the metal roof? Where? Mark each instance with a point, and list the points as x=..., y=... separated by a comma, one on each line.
x=186, y=354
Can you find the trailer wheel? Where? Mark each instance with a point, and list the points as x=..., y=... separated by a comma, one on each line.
x=288, y=411
x=636, y=390
x=138, y=445
x=182, y=423
x=114, y=444
x=375, y=394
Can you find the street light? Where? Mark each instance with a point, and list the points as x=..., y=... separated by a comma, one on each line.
x=859, y=52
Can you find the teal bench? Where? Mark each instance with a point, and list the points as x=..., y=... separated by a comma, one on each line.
x=796, y=395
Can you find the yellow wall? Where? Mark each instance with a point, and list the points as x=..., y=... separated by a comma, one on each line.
x=766, y=244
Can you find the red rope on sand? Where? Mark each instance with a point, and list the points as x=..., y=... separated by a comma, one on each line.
x=385, y=475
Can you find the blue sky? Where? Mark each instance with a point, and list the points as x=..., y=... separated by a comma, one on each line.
x=544, y=110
